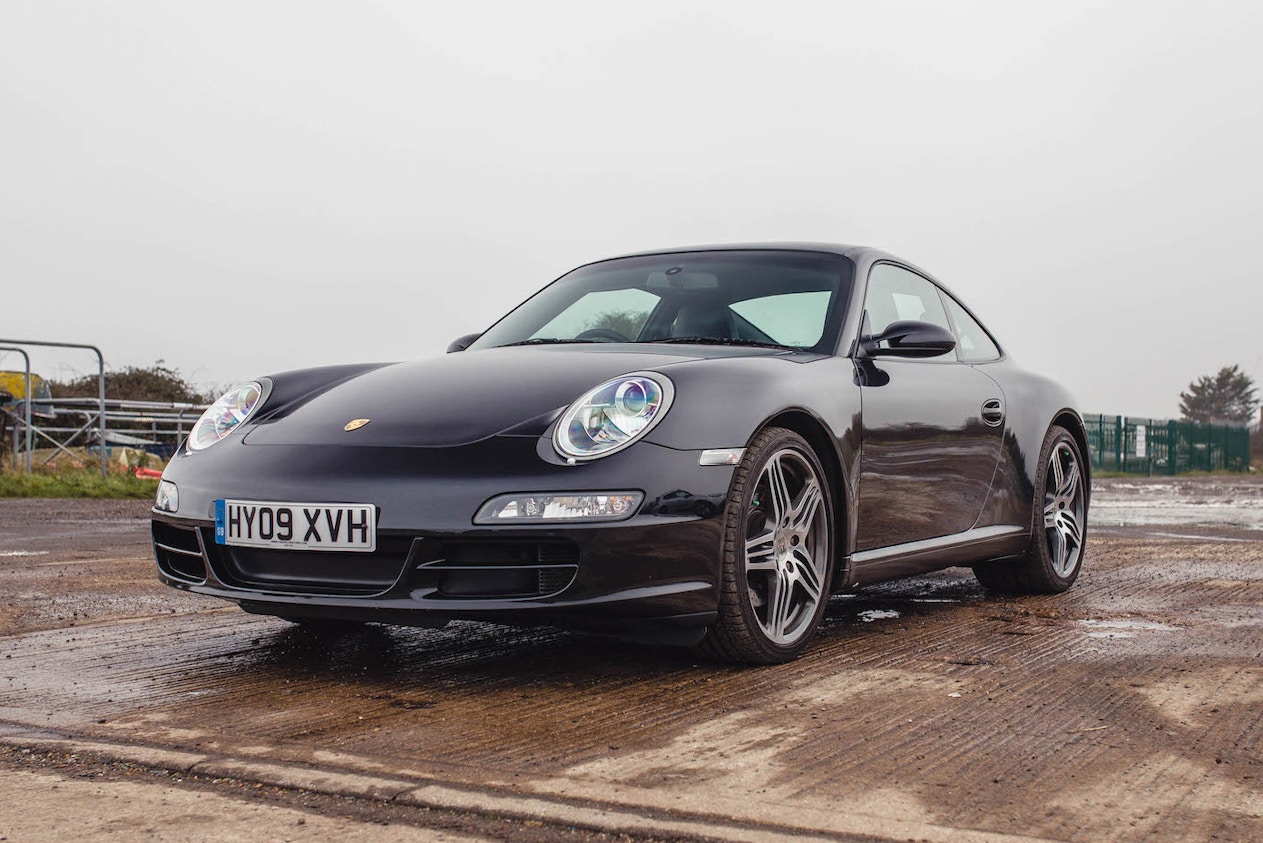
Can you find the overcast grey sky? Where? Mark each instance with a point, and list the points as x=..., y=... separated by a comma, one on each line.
x=245, y=187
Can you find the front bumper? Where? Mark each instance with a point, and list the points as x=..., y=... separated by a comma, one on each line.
x=653, y=575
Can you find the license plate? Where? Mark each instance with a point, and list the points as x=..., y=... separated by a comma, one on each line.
x=301, y=526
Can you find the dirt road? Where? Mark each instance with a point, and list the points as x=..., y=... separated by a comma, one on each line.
x=1128, y=708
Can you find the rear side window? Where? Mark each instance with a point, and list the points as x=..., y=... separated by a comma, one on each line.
x=974, y=344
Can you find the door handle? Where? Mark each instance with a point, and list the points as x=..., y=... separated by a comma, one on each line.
x=993, y=412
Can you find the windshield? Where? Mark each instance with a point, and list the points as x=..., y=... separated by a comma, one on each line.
x=783, y=299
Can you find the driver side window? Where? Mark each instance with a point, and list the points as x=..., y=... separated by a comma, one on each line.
x=895, y=295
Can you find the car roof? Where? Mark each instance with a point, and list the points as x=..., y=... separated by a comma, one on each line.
x=852, y=252
x=861, y=256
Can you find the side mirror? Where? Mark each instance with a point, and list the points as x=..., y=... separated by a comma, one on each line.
x=910, y=339
x=462, y=343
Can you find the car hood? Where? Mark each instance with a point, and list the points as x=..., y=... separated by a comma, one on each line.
x=462, y=398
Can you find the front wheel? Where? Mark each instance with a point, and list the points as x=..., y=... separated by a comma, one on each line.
x=1059, y=528
x=778, y=553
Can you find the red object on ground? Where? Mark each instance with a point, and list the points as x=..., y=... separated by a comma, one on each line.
x=148, y=472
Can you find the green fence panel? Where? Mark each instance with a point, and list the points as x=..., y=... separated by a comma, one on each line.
x=1160, y=446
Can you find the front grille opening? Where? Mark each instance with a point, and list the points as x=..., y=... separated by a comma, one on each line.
x=313, y=572
x=476, y=569
x=489, y=582
x=552, y=580
x=178, y=552
x=182, y=539
x=493, y=553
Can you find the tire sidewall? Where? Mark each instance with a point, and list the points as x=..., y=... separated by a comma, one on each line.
x=1039, y=536
x=756, y=458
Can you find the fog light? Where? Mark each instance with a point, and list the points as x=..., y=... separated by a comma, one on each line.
x=168, y=497
x=536, y=508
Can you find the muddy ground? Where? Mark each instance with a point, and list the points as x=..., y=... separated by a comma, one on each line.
x=1128, y=708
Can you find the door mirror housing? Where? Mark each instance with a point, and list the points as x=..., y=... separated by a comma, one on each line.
x=462, y=343
x=909, y=338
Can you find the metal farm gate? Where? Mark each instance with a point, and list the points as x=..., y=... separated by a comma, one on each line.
x=1159, y=446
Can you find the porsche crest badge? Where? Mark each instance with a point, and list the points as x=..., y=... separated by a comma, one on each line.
x=356, y=424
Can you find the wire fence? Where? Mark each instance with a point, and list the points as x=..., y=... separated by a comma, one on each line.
x=59, y=425
x=1161, y=446
x=101, y=416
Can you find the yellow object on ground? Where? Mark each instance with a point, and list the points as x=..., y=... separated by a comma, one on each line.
x=14, y=383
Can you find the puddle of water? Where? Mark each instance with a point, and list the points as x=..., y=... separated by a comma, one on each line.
x=1143, y=488
x=870, y=615
x=1144, y=504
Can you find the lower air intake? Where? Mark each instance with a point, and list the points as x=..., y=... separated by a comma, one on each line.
x=496, y=570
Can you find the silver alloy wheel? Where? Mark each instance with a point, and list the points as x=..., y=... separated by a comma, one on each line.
x=1064, y=509
x=786, y=547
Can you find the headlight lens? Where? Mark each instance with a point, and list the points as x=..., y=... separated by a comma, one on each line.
x=225, y=415
x=613, y=416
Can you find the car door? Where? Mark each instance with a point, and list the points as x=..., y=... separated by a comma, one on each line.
x=927, y=456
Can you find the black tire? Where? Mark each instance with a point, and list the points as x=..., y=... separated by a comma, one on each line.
x=777, y=564
x=1059, y=525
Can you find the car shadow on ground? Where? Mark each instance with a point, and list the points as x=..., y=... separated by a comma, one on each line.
x=496, y=655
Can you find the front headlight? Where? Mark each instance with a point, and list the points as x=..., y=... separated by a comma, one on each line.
x=225, y=415
x=613, y=416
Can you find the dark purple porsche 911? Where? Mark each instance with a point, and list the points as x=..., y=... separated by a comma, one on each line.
x=695, y=446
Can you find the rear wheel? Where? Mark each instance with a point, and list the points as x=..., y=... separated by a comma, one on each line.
x=778, y=553
x=1059, y=528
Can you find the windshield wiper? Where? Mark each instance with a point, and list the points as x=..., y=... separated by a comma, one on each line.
x=546, y=341
x=725, y=341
